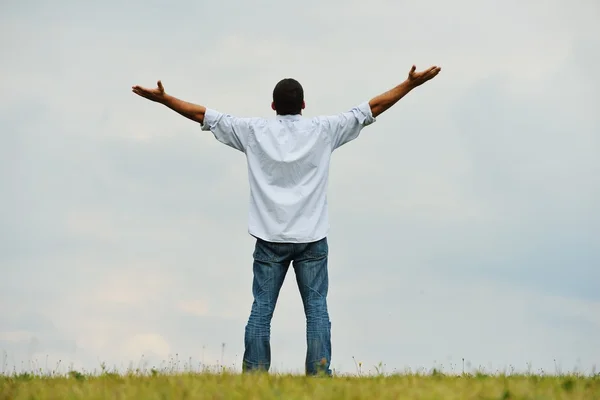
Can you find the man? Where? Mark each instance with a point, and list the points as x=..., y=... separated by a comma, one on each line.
x=288, y=166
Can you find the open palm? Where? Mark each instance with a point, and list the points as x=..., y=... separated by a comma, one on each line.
x=418, y=78
x=156, y=94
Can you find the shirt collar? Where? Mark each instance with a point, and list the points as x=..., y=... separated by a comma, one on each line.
x=293, y=117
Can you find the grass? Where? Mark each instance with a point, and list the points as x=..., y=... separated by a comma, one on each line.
x=223, y=384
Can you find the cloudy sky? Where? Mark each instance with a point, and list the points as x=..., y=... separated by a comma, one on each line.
x=465, y=221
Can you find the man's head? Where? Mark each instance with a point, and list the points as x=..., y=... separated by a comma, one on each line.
x=288, y=97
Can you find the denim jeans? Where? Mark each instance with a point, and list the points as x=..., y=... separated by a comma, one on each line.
x=271, y=263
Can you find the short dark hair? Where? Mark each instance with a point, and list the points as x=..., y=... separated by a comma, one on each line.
x=288, y=97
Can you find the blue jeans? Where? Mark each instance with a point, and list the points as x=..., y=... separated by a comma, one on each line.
x=271, y=263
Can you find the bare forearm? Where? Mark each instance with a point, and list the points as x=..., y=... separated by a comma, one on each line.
x=381, y=103
x=192, y=111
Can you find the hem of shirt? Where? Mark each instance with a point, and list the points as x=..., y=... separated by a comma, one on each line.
x=272, y=240
x=210, y=116
x=365, y=107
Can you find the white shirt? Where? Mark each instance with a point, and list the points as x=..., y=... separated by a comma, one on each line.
x=288, y=160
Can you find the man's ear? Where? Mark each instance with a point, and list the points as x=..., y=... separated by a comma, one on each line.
x=303, y=105
x=273, y=106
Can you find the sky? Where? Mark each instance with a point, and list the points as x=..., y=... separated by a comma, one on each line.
x=465, y=222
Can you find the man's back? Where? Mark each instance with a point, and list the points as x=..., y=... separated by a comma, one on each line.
x=288, y=167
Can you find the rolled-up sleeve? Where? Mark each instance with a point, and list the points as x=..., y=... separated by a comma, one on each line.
x=345, y=127
x=227, y=129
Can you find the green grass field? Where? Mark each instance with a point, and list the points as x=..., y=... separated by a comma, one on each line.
x=226, y=385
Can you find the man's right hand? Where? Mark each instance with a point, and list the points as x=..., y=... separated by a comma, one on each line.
x=418, y=78
x=157, y=94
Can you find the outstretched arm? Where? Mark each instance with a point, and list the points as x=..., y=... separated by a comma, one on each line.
x=189, y=110
x=381, y=103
